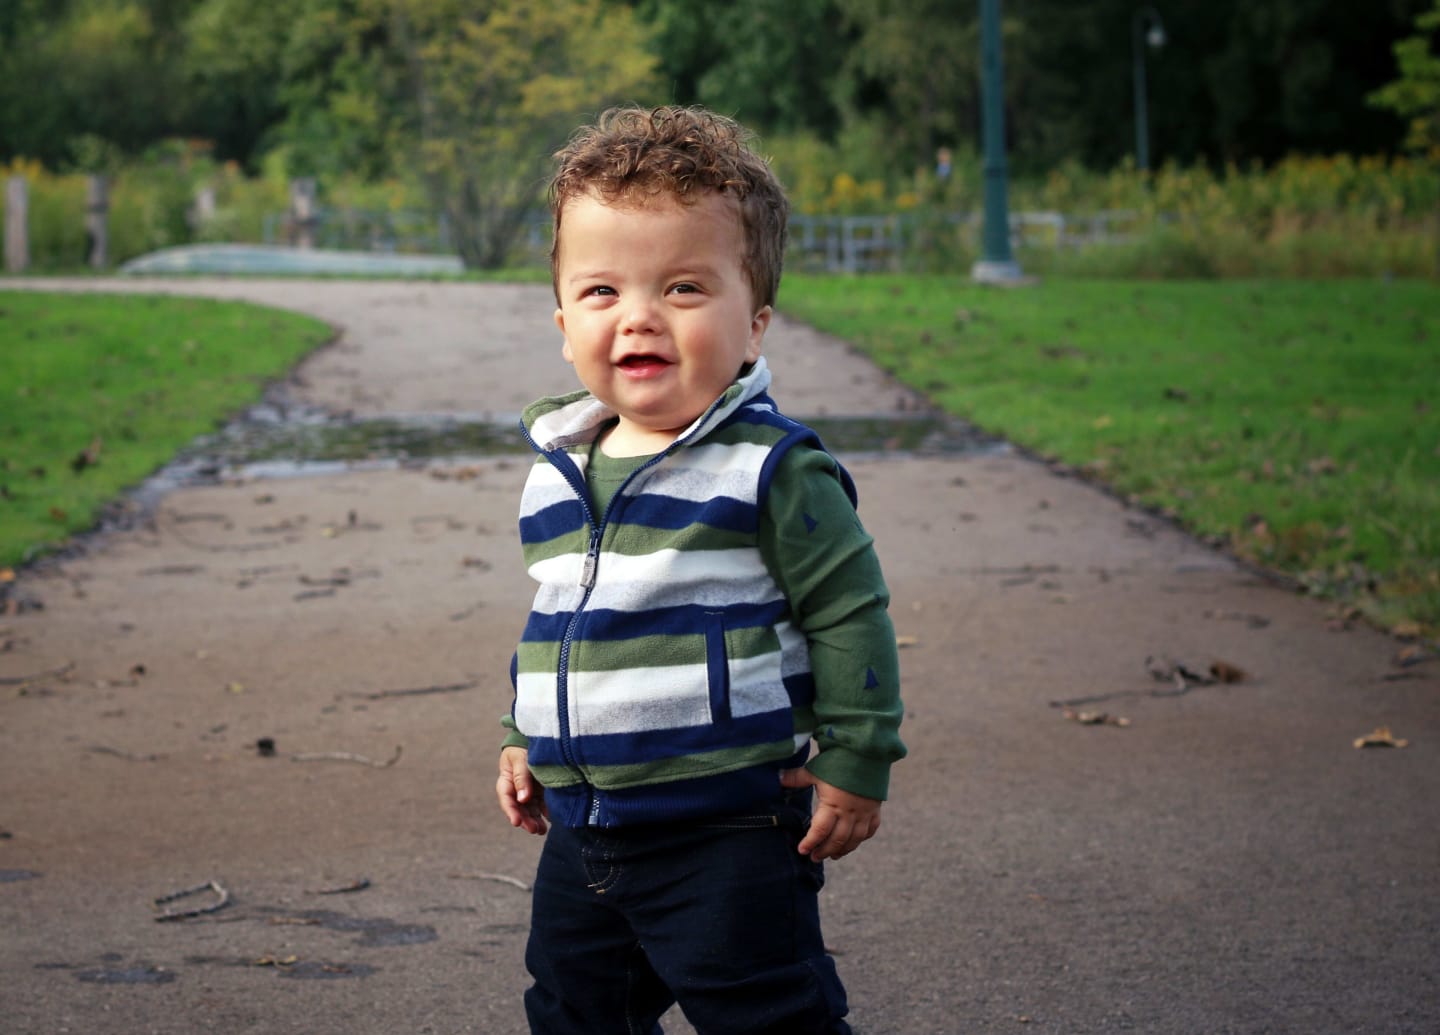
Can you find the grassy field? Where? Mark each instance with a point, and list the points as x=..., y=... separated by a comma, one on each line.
x=98, y=391
x=1298, y=422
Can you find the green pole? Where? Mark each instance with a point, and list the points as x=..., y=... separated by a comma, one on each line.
x=1146, y=30
x=996, y=264
x=1142, y=112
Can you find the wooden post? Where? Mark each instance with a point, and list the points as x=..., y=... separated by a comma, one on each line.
x=303, y=216
x=17, y=225
x=203, y=211
x=97, y=221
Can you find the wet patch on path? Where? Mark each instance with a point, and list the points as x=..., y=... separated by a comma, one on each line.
x=282, y=439
x=375, y=932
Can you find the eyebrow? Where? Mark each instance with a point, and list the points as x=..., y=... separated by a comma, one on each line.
x=691, y=270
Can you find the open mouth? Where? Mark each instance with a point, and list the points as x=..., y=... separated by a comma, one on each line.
x=643, y=361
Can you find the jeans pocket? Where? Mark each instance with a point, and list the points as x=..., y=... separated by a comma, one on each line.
x=717, y=661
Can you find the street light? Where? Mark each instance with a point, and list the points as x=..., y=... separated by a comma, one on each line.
x=996, y=264
x=1146, y=29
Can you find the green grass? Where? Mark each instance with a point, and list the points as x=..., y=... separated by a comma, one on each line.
x=1298, y=422
x=129, y=379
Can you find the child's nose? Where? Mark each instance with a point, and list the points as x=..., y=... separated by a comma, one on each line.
x=641, y=317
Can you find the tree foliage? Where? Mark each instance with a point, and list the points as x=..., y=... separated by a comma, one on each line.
x=1415, y=95
x=471, y=94
x=485, y=92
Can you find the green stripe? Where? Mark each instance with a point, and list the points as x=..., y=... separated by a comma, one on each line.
x=576, y=542
x=538, y=656
x=637, y=540
x=668, y=770
x=650, y=651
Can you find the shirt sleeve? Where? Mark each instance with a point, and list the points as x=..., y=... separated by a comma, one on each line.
x=824, y=561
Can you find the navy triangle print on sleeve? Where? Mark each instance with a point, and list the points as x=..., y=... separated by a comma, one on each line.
x=871, y=680
x=810, y=523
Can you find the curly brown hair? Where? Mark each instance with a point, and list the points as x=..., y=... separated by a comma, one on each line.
x=632, y=153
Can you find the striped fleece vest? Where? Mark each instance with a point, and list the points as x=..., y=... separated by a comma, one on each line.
x=659, y=675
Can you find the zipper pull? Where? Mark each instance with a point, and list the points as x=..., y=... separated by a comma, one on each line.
x=592, y=559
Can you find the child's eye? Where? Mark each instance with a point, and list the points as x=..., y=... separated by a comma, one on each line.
x=685, y=289
x=598, y=289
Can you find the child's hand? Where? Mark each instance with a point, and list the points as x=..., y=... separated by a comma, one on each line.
x=842, y=820
x=522, y=799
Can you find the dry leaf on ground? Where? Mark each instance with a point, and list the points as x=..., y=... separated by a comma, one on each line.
x=1381, y=737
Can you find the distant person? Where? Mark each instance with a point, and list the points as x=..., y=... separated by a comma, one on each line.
x=943, y=160
x=708, y=605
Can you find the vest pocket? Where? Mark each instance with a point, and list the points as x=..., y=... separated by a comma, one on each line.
x=718, y=665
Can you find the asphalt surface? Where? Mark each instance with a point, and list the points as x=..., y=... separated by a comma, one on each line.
x=1212, y=857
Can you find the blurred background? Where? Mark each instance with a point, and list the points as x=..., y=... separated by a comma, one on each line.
x=1185, y=138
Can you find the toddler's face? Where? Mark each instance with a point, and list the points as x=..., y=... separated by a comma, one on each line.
x=655, y=309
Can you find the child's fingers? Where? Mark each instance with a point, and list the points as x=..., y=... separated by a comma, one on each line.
x=834, y=834
x=796, y=778
x=822, y=830
x=521, y=798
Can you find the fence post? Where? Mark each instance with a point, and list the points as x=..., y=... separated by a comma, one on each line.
x=302, y=212
x=17, y=225
x=97, y=221
x=203, y=211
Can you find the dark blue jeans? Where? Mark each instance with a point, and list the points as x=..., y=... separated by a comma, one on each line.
x=720, y=915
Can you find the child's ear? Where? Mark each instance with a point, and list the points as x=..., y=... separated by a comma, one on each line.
x=758, y=325
x=564, y=349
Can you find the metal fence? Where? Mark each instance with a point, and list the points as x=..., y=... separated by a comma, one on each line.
x=833, y=244
x=862, y=244
x=352, y=229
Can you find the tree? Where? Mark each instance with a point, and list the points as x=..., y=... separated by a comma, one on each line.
x=1415, y=96
x=777, y=65
x=235, y=64
x=918, y=62
x=470, y=96
x=490, y=90
x=100, y=69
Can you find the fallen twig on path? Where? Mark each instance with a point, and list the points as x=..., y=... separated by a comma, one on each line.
x=214, y=886
x=1181, y=679
x=1096, y=718
x=499, y=877
x=344, y=889
x=129, y=756
x=175, y=529
x=346, y=756
x=420, y=691
x=54, y=673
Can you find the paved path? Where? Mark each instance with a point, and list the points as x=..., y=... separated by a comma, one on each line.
x=1227, y=862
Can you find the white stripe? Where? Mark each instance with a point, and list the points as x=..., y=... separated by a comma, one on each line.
x=637, y=699
x=552, y=598
x=673, y=578
x=703, y=472
x=757, y=686
x=546, y=486
x=535, y=705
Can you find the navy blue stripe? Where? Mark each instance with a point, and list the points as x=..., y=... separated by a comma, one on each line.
x=671, y=513
x=554, y=521
x=687, y=619
x=801, y=688
x=734, y=793
x=717, y=666
x=643, y=746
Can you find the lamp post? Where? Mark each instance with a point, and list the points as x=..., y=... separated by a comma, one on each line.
x=1146, y=30
x=996, y=265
